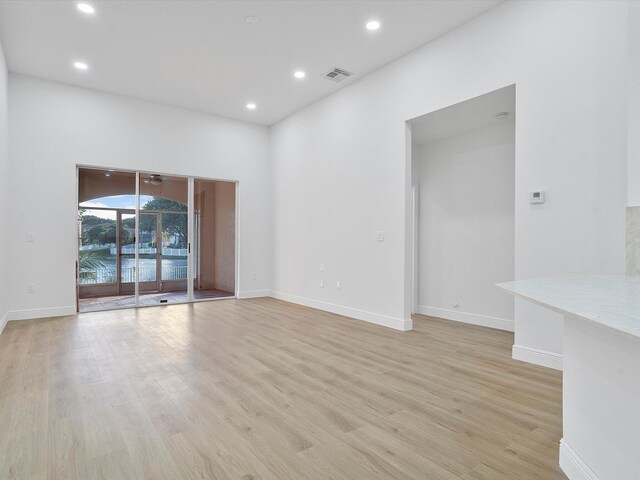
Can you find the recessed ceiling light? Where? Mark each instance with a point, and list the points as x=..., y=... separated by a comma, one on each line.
x=299, y=74
x=81, y=65
x=373, y=25
x=86, y=8
x=251, y=106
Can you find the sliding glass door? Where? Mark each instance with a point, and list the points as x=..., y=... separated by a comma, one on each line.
x=163, y=249
x=149, y=239
x=106, y=225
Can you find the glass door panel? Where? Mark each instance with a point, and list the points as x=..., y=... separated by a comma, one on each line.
x=97, y=252
x=103, y=195
x=127, y=257
x=148, y=256
x=174, y=251
x=165, y=198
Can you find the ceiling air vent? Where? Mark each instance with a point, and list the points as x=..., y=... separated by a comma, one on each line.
x=336, y=75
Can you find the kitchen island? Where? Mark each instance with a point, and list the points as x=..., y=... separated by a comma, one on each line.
x=601, y=370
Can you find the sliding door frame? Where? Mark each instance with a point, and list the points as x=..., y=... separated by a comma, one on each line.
x=190, y=234
x=236, y=252
x=136, y=244
x=190, y=239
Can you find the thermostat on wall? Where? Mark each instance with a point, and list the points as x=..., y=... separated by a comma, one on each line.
x=536, y=197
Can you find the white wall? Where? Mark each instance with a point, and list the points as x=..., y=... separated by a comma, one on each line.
x=467, y=225
x=634, y=105
x=4, y=194
x=340, y=170
x=53, y=127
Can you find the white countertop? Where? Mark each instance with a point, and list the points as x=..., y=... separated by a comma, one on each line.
x=610, y=300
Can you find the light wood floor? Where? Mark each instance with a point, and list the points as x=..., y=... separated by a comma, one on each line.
x=262, y=389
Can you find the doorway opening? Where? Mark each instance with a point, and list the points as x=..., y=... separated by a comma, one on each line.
x=463, y=184
x=148, y=239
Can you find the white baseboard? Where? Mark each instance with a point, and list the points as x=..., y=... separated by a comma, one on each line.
x=572, y=464
x=254, y=294
x=537, y=357
x=395, y=323
x=3, y=321
x=41, y=313
x=472, y=318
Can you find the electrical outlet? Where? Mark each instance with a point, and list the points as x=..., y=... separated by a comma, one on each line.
x=380, y=236
x=31, y=237
x=31, y=288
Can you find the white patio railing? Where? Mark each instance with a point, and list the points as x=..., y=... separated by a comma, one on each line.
x=131, y=250
x=147, y=274
x=174, y=272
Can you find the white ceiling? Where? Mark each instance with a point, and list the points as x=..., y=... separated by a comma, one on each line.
x=465, y=116
x=203, y=55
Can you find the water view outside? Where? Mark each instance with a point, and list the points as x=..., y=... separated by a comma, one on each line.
x=172, y=269
x=98, y=250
